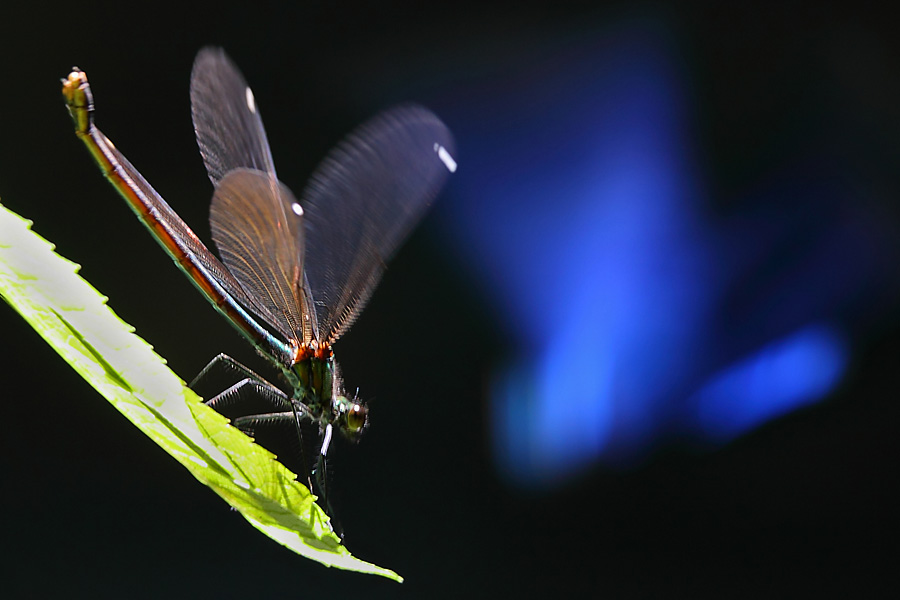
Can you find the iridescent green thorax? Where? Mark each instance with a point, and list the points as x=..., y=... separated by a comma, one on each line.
x=313, y=374
x=314, y=369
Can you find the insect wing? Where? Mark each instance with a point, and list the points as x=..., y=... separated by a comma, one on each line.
x=227, y=122
x=257, y=225
x=361, y=203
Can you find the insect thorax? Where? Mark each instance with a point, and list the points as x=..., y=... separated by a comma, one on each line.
x=314, y=371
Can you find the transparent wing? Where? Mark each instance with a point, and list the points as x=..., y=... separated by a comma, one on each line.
x=257, y=225
x=229, y=128
x=362, y=202
x=231, y=136
x=187, y=240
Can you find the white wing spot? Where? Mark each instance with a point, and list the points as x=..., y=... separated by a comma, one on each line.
x=298, y=210
x=251, y=101
x=241, y=484
x=445, y=157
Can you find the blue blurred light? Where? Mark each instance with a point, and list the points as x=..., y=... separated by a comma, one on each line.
x=782, y=376
x=579, y=210
x=589, y=241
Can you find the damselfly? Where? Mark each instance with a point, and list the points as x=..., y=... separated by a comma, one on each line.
x=304, y=268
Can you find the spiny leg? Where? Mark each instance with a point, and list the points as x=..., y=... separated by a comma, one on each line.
x=227, y=363
x=250, y=387
x=286, y=410
x=255, y=385
x=297, y=413
x=254, y=421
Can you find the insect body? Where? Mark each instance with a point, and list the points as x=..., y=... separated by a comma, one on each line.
x=293, y=275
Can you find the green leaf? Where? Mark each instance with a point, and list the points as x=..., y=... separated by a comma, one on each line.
x=75, y=320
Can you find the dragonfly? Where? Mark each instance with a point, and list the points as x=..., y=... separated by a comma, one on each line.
x=293, y=275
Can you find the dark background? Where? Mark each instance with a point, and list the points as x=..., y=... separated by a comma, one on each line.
x=803, y=505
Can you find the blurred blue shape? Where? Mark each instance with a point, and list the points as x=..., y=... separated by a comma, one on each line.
x=587, y=236
x=580, y=212
x=784, y=375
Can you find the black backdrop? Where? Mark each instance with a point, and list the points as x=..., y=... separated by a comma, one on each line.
x=806, y=504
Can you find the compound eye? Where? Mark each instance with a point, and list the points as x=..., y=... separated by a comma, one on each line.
x=356, y=417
